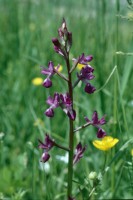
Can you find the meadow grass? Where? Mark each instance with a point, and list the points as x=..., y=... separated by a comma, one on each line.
x=100, y=28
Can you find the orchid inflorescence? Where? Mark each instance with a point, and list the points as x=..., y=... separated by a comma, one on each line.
x=62, y=46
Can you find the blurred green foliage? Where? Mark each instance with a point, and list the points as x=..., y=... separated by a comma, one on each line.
x=100, y=28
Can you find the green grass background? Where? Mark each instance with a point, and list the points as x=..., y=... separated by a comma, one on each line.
x=100, y=28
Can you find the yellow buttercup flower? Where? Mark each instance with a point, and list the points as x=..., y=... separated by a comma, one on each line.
x=37, y=81
x=106, y=143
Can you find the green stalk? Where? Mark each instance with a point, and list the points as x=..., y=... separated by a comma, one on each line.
x=115, y=94
x=70, y=162
x=71, y=134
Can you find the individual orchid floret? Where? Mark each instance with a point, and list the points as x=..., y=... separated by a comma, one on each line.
x=89, y=88
x=66, y=105
x=58, y=47
x=54, y=103
x=84, y=59
x=97, y=123
x=49, y=72
x=45, y=157
x=79, y=153
x=86, y=73
x=48, y=143
x=49, y=112
x=101, y=133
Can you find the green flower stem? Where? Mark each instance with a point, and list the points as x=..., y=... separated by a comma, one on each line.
x=81, y=127
x=76, y=83
x=71, y=134
x=61, y=147
x=92, y=191
x=74, y=66
x=115, y=94
x=70, y=162
x=61, y=75
x=105, y=160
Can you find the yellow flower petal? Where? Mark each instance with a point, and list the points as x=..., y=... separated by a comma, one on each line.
x=131, y=152
x=106, y=143
x=99, y=145
x=60, y=68
x=79, y=66
x=37, y=81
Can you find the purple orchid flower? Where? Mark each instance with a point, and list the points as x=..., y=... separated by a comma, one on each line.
x=95, y=119
x=46, y=146
x=86, y=74
x=84, y=59
x=45, y=157
x=65, y=36
x=101, y=133
x=58, y=47
x=63, y=45
x=49, y=72
x=48, y=143
x=89, y=88
x=97, y=123
x=54, y=103
x=66, y=105
x=79, y=153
